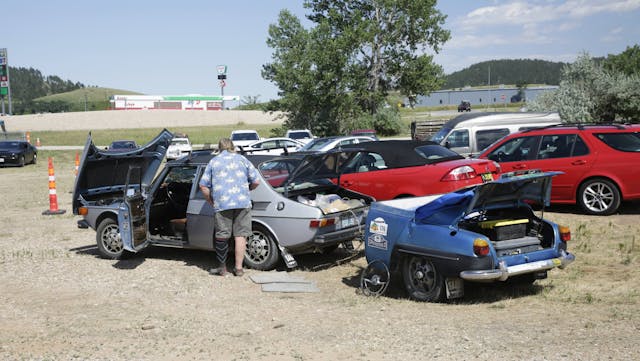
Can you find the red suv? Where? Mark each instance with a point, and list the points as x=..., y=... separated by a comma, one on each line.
x=601, y=163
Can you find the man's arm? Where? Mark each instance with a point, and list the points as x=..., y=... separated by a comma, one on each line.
x=207, y=194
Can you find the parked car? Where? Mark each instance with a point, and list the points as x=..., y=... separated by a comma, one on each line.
x=17, y=153
x=179, y=147
x=302, y=135
x=122, y=145
x=365, y=132
x=469, y=134
x=599, y=162
x=406, y=168
x=326, y=143
x=117, y=196
x=464, y=106
x=242, y=138
x=485, y=233
x=274, y=146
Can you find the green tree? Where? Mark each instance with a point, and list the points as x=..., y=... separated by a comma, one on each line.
x=589, y=93
x=627, y=62
x=354, y=55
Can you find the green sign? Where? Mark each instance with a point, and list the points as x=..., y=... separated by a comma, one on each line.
x=4, y=91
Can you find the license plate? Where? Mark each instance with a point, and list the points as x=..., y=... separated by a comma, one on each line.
x=1, y=160
x=486, y=177
x=346, y=222
x=455, y=287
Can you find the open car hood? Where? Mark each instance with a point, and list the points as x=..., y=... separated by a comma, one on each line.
x=508, y=191
x=324, y=165
x=101, y=172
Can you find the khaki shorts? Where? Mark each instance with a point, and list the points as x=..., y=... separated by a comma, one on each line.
x=236, y=222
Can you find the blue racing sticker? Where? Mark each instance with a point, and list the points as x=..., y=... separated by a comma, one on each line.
x=377, y=241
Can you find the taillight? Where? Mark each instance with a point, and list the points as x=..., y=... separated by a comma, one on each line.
x=565, y=233
x=480, y=247
x=317, y=223
x=461, y=173
x=83, y=211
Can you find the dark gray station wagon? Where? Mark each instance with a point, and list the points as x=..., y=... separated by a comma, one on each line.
x=121, y=198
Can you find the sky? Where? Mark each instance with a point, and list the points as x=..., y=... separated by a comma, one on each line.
x=174, y=47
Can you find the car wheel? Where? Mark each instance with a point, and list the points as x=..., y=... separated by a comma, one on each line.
x=109, y=241
x=21, y=161
x=262, y=252
x=599, y=197
x=422, y=279
x=35, y=158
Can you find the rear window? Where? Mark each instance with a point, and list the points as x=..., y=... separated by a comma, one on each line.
x=245, y=136
x=437, y=152
x=299, y=135
x=625, y=142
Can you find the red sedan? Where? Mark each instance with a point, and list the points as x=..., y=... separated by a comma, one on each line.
x=400, y=168
x=600, y=162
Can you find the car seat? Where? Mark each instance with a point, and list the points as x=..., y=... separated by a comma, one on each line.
x=368, y=163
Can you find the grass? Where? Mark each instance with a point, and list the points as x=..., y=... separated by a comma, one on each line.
x=198, y=135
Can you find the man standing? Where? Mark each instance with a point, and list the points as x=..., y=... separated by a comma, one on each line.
x=226, y=183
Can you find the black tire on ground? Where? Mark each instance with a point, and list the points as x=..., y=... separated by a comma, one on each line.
x=599, y=196
x=262, y=251
x=422, y=279
x=35, y=158
x=21, y=161
x=109, y=241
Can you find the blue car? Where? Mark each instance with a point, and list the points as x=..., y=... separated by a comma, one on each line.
x=484, y=233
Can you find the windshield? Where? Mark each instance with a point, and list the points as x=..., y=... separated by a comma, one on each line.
x=123, y=144
x=439, y=136
x=10, y=145
x=179, y=142
x=299, y=135
x=317, y=144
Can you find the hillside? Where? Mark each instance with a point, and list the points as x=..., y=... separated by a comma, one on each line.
x=506, y=71
x=90, y=98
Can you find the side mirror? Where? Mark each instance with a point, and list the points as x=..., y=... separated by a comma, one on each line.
x=447, y=145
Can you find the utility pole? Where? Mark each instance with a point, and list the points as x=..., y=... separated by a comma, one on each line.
x=489, y=82
x=222, y=76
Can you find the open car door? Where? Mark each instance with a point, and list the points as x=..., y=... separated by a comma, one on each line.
x=132, y=215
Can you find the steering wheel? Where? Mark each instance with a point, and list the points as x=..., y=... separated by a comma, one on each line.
x=177, y=197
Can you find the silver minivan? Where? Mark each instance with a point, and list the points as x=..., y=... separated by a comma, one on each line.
x=469, y=134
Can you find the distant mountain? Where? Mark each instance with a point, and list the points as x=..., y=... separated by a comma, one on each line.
x=506, y=71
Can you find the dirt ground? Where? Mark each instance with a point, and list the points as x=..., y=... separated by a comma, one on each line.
x=60, y=301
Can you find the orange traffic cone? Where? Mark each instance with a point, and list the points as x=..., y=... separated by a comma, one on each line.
x=37, y=142
x=77, y=163
x=28, y=137
x=53, y=198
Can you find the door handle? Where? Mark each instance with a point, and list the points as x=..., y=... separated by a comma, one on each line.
x=520, y=166
x=579, y=162
x=346, y=183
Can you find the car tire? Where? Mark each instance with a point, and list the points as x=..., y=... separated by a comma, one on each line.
x=262, y=251
x=599, y=196
x=109, y=241
x=422, y=280
x=21, y=161
x=35, y=158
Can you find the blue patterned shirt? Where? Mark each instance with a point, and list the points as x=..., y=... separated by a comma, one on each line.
x=228, y=176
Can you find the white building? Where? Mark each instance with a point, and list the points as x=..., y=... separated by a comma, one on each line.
x=177, y=102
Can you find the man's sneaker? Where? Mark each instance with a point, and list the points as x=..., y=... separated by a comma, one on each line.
x=220, y=271
x=238, y=272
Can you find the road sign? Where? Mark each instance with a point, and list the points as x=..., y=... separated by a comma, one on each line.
x=222, y=69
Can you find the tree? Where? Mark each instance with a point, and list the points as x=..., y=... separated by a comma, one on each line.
x=589, y=93
x=627, y=62
x=357, y=52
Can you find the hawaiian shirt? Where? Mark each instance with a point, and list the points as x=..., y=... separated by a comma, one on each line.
x=228, y=176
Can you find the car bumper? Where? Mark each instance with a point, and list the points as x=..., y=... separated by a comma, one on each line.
x=503, y=272
x=342, y=235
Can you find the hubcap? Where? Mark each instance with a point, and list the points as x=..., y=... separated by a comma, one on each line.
x=258, y=247
x=111, y=239
x=598, y=197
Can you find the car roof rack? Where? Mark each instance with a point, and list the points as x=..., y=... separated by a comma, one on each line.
x=580, y=126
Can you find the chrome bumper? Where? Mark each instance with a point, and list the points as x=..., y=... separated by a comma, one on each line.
x=503, y=272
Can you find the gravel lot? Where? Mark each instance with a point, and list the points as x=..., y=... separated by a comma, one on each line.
x=60, y=301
